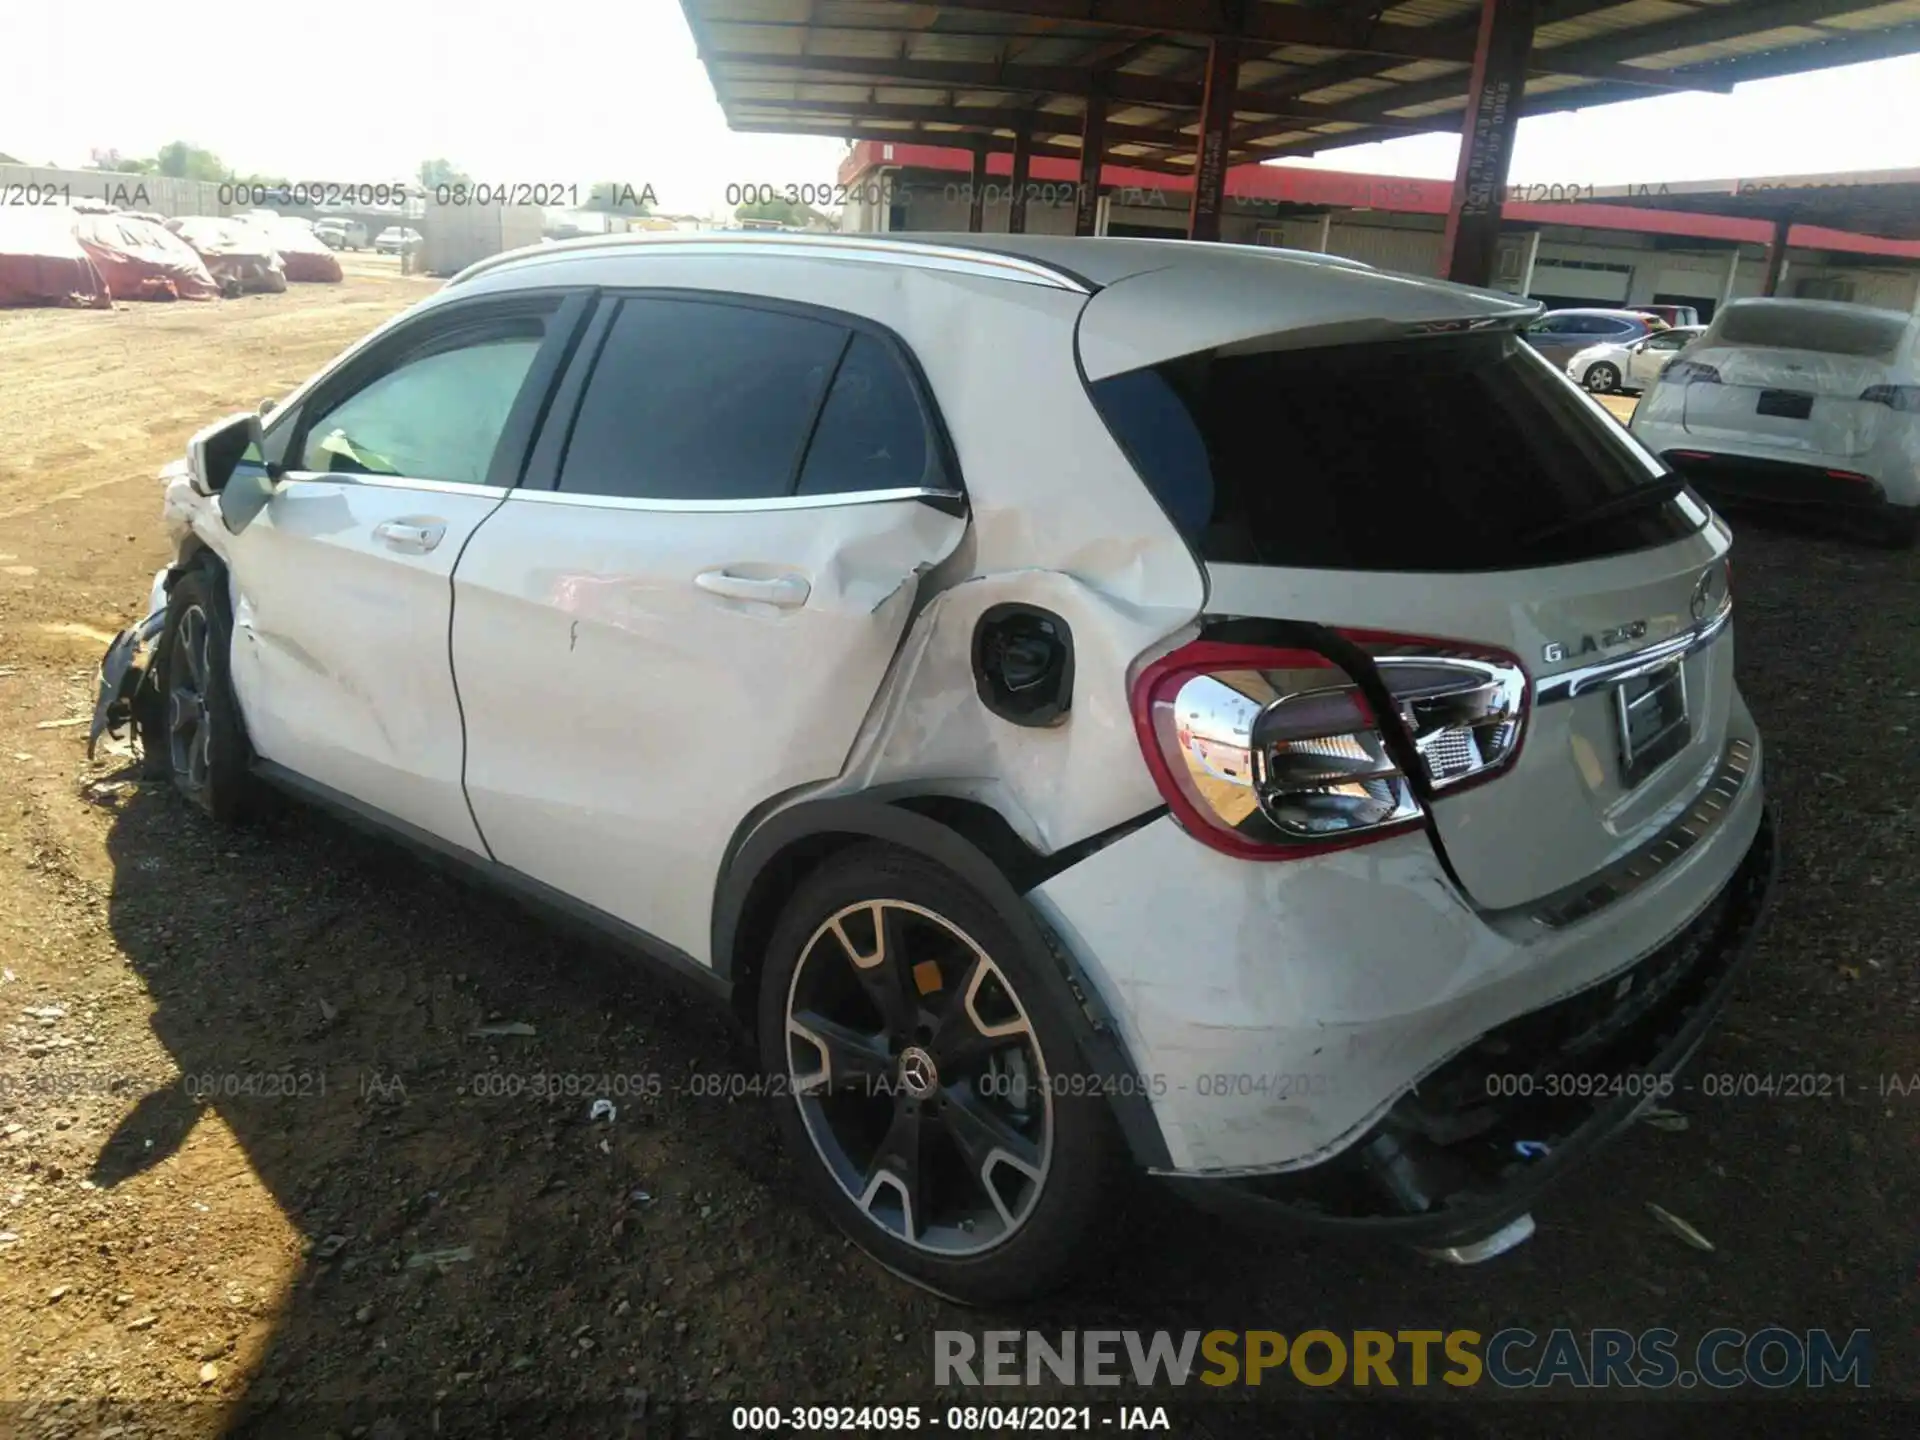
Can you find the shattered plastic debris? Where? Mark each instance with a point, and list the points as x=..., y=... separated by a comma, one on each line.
x=511, y=1027
x=1679, y=1227
x=1669, y=1120
x=602, y=1110
x=1532, y=1149
x=329, y=1247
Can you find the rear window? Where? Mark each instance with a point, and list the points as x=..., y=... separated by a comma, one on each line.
x=1446, y=454
x=1863, y=332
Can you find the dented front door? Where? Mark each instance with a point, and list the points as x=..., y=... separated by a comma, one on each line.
x=637, y=680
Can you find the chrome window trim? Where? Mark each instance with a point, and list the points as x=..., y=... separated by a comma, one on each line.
x=1709, y=810
x=392, y=482
x=1602, y=673
x=772, y=502
x=947, y=258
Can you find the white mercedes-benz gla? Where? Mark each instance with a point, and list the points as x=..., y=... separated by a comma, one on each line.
x=1080, y=702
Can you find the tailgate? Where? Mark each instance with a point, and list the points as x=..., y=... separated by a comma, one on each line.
x=1595, y=776
x=1456, y=488
x=1796, y=400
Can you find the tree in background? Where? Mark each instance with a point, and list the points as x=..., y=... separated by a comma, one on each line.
x=115, y=161
x=188, y=162
x=620, y=197
x=784, y=212
x=442, y=172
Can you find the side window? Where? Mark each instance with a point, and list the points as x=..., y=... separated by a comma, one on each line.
x=437, y=414
x=1551, y=325
x=872, y=434
x=690, y=400
x=1668, y=340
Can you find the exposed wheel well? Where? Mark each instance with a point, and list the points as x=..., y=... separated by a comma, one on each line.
x=979, y=825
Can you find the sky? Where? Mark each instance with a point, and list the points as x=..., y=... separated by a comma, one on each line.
x=578, y=90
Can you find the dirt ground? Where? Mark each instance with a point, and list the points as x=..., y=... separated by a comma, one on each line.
x=368, y=1241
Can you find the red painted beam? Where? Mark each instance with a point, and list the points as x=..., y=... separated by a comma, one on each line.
x=1472, y=237
x=1216, y=129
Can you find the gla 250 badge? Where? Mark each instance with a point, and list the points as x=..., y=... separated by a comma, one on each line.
x=1699, y=604
x=1605, y=640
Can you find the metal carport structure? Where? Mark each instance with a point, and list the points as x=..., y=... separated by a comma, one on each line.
x=1884, y=203
x=1193, y=87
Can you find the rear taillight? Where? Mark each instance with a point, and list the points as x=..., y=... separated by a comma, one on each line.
x=1689, y=372
x=1270, y=753
x=1894, y=397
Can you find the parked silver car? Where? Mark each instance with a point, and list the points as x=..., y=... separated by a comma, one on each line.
x=1560, y=334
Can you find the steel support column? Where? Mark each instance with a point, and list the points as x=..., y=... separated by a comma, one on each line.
x=1216, y=128
x=1093, y=148
x=1022, y=166
x=1776, y=256
x=977, y=192
x=1486, y=140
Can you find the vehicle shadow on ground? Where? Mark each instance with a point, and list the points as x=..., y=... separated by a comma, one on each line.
x=482, y=1257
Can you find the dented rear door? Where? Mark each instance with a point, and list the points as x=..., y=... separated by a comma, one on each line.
x=688, y=609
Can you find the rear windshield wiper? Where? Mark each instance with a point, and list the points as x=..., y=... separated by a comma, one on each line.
x=1641, y=497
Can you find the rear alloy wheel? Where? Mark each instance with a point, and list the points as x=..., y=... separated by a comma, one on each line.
x=1601, y=378
x=928, y=1097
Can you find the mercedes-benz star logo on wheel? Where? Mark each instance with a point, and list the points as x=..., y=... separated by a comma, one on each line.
x=918, y=1073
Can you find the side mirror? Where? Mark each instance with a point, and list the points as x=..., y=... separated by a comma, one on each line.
x=216, y=452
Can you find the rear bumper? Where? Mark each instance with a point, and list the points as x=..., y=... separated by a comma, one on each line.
x=1735, y=478
x=1406, y=1181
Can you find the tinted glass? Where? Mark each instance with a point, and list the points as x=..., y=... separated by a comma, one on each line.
x=1860, y=332
x=697, y=401
x=1438, y=455
x=873, y=433
x=437, y=415
x=1669, y=340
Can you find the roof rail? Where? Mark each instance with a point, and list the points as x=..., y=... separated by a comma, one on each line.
x=876, y=249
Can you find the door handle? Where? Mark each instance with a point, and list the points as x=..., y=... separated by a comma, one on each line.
x=786, y=591
x=409, y=536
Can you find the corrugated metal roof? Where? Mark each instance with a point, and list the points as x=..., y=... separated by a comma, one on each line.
x=1322, y=74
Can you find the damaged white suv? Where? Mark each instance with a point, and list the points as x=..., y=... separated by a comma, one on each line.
x=1082, y=702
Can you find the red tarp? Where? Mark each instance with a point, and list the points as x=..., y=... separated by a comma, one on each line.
x=304, y=254
x=238, y=256
x=41, y=263
x=144, y=261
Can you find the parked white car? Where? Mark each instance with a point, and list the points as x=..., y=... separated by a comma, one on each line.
x=341, y=232
x=1611, y=367
x=1797, y=402
x=1215, y=710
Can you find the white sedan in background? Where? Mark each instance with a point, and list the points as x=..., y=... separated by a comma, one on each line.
x=1613, y=366
x=1805, y=402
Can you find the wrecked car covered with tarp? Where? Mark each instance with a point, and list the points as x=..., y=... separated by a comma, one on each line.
x=240, y=258
x=144, y=261
x=42, y=261
x=303, y=254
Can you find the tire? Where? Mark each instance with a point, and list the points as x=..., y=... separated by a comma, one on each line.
x=1601, y=378
x=952, y=1145
x=203, y=737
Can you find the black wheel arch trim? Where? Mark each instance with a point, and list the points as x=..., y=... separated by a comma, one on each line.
x=1065, y=993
